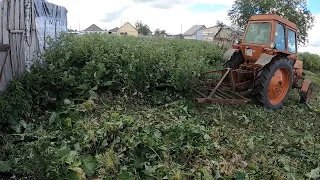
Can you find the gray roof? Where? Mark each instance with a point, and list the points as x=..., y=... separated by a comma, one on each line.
x=213, y=31
x=193, y=30
x=93, y=27
x=114, y=29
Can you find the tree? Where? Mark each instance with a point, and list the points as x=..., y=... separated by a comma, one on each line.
x=142, y=28
x=295, y=11
x=220, y=24
x=159, y=32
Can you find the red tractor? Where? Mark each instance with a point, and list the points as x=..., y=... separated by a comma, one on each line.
x=264, y=64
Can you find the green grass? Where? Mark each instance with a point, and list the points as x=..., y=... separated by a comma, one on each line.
x=78, y=129
x=118, y=139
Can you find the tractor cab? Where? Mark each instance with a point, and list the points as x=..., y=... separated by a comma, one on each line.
x=263, y=64
x=270, y=34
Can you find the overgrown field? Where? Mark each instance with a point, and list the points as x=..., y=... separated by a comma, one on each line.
x=99, y=111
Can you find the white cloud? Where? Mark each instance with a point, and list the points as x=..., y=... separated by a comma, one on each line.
x=169, y=15
x=158, y=14
x=314, y=38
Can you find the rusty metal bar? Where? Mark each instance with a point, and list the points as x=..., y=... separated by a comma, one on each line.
x=222, y=101
x=219, y=83
x=232, y=82
x=225, y=94
x=208, y=72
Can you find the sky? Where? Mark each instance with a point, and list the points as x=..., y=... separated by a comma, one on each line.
x=174, y=16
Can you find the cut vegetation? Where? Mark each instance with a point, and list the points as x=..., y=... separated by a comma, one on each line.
x=106, y=107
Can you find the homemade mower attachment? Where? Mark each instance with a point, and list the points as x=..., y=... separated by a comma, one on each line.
x=264, y=64
x=222, y=92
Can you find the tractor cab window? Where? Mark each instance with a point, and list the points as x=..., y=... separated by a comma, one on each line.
x=259, y=33
x=280, y=37
x=292, y=41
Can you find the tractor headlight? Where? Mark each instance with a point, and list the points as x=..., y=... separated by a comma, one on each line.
x=272, y=45
x=237, y=41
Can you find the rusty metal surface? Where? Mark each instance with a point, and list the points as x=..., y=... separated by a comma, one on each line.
x=305, y=85
x=221, y=92
x=221, y=101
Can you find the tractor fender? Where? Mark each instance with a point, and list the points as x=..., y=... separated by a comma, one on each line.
x=264, y=59
x=227, y=55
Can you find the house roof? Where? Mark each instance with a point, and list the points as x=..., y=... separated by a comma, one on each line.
x=193, y=30
x=227, y=32
x=114, y=29
x=93, y=27
x=213, y=31
x=129, y=24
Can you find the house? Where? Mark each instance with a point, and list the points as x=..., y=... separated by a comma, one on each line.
x=94, y=29
x=192, y=33
x=173, y=36
x=113, y=31
x=208, y=34
x=221, y=35
x=127, y=29
x=227, y=35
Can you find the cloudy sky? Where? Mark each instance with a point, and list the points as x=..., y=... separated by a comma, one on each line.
x=174, y=16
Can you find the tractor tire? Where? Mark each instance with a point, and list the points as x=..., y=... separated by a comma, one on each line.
x=273, y=83
x=235, y=61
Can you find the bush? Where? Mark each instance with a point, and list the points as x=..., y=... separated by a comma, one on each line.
x=77, y=65
x=311, y=62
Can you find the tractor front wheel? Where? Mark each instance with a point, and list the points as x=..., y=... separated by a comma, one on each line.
x=273, y=83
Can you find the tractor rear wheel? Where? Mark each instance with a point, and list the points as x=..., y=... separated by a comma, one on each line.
x=273, y=83
x=234, y=63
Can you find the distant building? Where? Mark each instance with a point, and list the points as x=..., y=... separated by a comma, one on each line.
x=173, y=36
x=221, y=35
x=208, y=34
x=113, y=31
x=127, y=29
x=192, y=33
x=94, y=29
x=227, y=35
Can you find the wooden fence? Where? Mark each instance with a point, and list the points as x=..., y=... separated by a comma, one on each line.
x=18, y=38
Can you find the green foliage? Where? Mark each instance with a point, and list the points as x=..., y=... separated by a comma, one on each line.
x=296, y=11
x=76, y=66
x=159, y=32
x=87, y=115
x=143, y=29
x=311, y=62
x=180, y=140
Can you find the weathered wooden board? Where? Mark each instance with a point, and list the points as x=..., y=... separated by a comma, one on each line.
x=17, y=14
x=11, y=4
x=1, y=17
x=5, y=68
x=4, y=29
x=22, y=23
